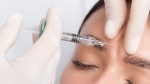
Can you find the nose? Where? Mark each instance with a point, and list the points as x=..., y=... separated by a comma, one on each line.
x=110, y=76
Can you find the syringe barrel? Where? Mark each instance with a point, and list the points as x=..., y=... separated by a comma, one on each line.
x=78, y=38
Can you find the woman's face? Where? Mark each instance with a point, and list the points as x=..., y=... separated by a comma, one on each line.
x=110, y=64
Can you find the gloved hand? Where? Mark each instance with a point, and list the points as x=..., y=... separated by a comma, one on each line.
x=38, y=65
x=116, y=11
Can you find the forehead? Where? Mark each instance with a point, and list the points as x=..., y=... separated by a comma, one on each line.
x=95, y=26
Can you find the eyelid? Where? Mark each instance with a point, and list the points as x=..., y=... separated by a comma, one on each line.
x=84, y=66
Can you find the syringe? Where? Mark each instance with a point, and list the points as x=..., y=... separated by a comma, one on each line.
x=87, y=40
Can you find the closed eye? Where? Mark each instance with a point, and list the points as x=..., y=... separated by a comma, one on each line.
x=84, y=66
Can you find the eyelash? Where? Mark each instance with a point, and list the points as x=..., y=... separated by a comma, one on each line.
x=84, y=66
x=129, y=82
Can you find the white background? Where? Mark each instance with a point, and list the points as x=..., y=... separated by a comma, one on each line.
x=73, y=13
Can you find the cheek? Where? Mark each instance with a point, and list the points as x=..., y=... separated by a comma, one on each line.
x=66, y=77
x=69, y=76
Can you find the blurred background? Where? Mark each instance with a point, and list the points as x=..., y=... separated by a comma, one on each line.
x=73, y=13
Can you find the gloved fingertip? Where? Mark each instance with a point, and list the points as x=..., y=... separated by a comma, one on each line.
x=53, y=22
x=55, y=10
x=110, y=31
x=14, y=18
x=131, y=46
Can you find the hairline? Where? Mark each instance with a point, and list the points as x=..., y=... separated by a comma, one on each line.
x=97, y=6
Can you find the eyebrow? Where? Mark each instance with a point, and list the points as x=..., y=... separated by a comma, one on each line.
x=139, y=62
x=97, y=46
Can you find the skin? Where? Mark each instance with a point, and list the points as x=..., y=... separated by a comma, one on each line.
x=111, y=68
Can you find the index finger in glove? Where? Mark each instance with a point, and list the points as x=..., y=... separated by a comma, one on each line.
x=49, y=42
x=136, y=25
x=116, y=11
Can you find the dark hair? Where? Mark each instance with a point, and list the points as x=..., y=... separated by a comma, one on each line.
x=97, y=6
